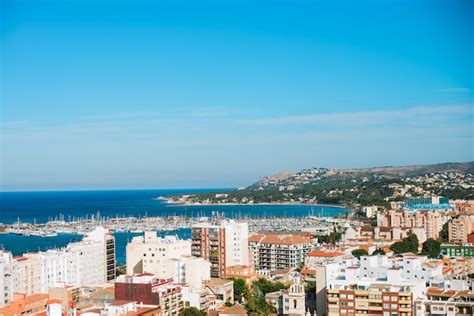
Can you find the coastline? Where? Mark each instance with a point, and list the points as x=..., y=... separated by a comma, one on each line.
x=177, y=203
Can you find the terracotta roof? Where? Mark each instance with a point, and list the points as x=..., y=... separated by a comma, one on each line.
x=213, y=282
x=280, y=239
x=308, y=271
x=324, y=253
x=237, y=309
x=54, y=301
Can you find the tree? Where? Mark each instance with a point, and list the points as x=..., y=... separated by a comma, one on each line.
x=266, y=286
x=310, y=287
x=256, y=303
x=412, y=243
x=444, y=233
x=398, y=247
x=378, y=251
x=408, y=244
x=240, y=289
x=432, y=248
x=191, y=311
x=359, y=252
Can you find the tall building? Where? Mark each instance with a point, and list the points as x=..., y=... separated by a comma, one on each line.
x=223, y=243
x=460, y=228
x=27, y=273
x=151, y=254
x=90, y=262
x=272, y=252
x=104, y=236
x=430, y=220
x=193, y=271
x=6, y=278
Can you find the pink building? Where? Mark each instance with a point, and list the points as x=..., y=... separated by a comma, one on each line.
x=431, y=221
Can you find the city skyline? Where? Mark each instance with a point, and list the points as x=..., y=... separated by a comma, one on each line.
x=103, y=95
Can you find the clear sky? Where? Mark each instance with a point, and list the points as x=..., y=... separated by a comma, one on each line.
x=166, y=94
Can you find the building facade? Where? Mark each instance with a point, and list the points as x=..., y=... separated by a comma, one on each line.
x=151, y=254
x=6, y=277
x=272, y=252
x=460, y=228
x=223, y=243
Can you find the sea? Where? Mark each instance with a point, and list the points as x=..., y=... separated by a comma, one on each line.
x=70, y=205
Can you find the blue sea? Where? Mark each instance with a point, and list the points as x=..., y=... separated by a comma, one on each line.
x=69, y=205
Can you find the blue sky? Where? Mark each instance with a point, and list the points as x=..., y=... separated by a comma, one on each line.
x=165, y=94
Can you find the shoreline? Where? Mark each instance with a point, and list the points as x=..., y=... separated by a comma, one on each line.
x=175, y=203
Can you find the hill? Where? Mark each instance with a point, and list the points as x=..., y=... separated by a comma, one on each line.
x=350, y=187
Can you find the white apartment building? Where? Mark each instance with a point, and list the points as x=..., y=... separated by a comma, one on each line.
x=224, y=243
x=272, y=252
x=89, y=262
x=151, y=254
x=192, y=271
x=6, y=278
x=346, y=284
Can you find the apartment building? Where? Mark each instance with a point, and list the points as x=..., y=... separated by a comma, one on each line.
x=459, y=228
x=223, y=243
x=6, y=278
x=189, y=270
x=89, y=262
x=441, y=302
x=374, y=284
x=272, y=252
x=27, y=273
x=151, y=254
x=429, y=220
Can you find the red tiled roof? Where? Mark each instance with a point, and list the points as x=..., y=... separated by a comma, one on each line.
x=279, y=239
x=324, y=253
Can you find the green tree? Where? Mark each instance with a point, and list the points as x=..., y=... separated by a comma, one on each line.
x=191, y=311
x=408, y=244
x=443, y=234
x=398, y=247
x=240, y=289
x=412, y=243
x=266, y=286
x=310, y=287
x=378, y=251
x=431, y=247
x=359, y=252
x=256, y=303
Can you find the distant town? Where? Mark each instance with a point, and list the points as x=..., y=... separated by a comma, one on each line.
x=406, y=248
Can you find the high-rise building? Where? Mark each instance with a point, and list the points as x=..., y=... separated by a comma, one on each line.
x=272, y=252
x=27, y=273
x=459, y=228
x=151, y=254
x=6, y=277
x=223, y=243
x=429, y=220
x=90, y=262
